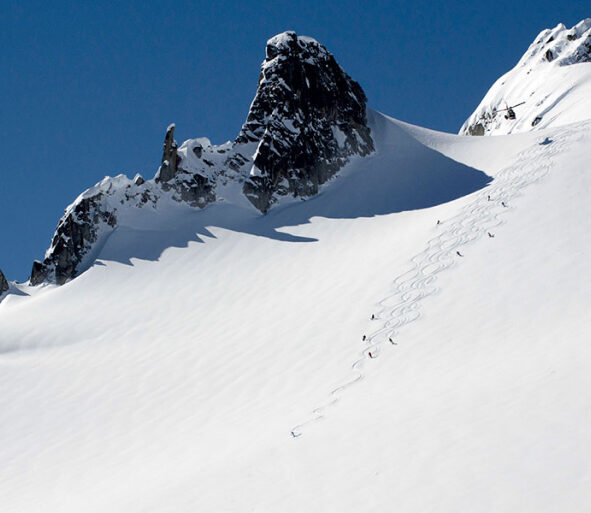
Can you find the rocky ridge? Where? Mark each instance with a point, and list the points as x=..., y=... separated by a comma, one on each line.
x=307, y=120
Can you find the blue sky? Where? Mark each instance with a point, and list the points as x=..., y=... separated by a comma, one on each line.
x=88, y=88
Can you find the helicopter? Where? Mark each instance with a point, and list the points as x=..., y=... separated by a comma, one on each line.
x=510, y=112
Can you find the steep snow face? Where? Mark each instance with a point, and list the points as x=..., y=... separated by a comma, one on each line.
x=307, y=120
x=553, y=78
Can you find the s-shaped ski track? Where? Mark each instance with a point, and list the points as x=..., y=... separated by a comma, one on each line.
x=402, y=305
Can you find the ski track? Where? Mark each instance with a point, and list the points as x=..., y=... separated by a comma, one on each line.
x=402, y=305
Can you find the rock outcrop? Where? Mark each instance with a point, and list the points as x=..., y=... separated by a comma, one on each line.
x=85, y=222
x=308, y=118
x=190, y=185
x=4, y=286
x=76, y=232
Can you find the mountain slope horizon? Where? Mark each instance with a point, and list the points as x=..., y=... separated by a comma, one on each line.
x=412, y=336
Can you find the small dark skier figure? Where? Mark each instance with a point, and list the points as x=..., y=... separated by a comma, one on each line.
x=391, y=341
x=491, y=235
x=363, y=338
x=373, y=317
x=488, y=198
x=438, y=222
x=459, y=254
x=295, y=435
x=503, y=203
x=370, y=355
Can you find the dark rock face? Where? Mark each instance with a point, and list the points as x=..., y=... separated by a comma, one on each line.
x=38, y=273
x=4, y=286
x=308, y=118
x=169, y=166
x=76, y=232
x=583, y=52
x=476, y=129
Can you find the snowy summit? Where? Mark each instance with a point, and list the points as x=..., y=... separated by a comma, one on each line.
x=550, y=85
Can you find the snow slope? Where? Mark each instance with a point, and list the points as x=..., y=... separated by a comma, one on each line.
x=167, y=378
x=553, y=79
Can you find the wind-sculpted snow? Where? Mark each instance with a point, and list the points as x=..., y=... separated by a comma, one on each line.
x=553, y=79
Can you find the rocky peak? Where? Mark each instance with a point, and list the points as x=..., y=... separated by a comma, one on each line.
x=308, y=118
x=169, y=165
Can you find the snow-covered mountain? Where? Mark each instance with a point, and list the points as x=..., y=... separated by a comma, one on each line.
x=553, y=78
x=412, y=337
x=307, y=120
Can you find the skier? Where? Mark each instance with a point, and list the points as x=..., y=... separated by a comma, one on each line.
x=370, y=355
x=363, y=338
x=503, y=203
x=391, y=341
x=488, y=198
x=373, y=317
x=459, y=254
x=438, y=222
x=295, y=435
x=491, y=235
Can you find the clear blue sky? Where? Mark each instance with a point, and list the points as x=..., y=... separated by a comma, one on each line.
x=88, y=88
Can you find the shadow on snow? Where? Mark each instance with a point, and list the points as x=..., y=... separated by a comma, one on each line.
x=403, y=174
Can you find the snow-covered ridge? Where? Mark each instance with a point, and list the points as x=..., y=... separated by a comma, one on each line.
x=553, y=79
x=308, y=118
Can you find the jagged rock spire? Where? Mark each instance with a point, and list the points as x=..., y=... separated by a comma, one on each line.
x=308, y=117
x=168, y=167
